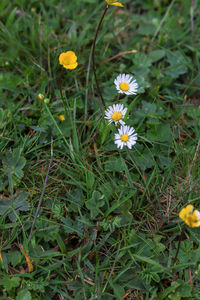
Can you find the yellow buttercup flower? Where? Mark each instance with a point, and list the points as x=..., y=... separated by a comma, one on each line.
x=68, y=60
x=41, y=97
x=61, y=117
x=190, y=216
x=113, y=2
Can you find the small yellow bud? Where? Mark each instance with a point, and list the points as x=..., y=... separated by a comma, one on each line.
x=40, y=96
x=46, y=100
x=61, y=117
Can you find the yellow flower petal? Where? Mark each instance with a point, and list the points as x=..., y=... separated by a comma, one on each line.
x=190, y=216
x=71, y=66
x=61, y=117
x=117, y=4
x=113, y=2
x=68, y=60
x=186, y=211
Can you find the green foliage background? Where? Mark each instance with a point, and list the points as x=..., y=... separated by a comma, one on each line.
x=108, y=226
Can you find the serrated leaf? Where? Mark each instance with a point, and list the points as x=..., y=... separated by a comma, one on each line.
x=24, y=295
x=156, y=55
x=147, y=29
x=14, y=257
x=114, y=164
x=9, y=282
x=118, y=291
x=178, y=64
x=149, y=108
x=14, y=162
x=141, y=61
x=163, y=161
x=18, y=204
x=160, y=133
x=97, y=200
x=76, y=199
x=68, y=225
x=175, y=71
x=144, y=159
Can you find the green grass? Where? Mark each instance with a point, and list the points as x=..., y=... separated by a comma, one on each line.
x=108, y=225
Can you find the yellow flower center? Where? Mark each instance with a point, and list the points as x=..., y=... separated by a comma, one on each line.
x=124, y=137
x=116, y=116
x=124, y=86
x=69, y=59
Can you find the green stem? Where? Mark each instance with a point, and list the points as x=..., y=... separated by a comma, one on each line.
x=58, y=128
x=10, y=181
x=179, y=243
x=63, y=101
x=93, y=55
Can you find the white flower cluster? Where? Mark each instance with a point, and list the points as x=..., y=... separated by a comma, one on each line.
x=125, y=137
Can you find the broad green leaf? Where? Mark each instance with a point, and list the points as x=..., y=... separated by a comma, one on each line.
x=149, y=261
x=14, y=257
x=18, y=204
x=97, y=200
x=68, y=225
x=156, y=55
x=160, y=133
x=14, y=162
x=147, y=29
x=76, y=199
x=114, y=164
x=90, y=179
x=24, y=295
x=178, y=64
x=9, y=282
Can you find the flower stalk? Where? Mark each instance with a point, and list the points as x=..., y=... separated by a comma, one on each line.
x=93, y=55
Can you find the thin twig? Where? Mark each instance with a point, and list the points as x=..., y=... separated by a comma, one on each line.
x=43, y=190
x=192, y=277
x=93, y=55
x=119, y=54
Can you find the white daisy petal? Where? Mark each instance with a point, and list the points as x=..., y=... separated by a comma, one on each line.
x=115, y=114
x=123, y=77
x=128, y=78
x=198, y=214
x=125, y=137
x=126, y=84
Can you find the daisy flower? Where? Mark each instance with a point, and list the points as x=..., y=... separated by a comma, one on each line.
x=116, y=113
x=190, y=216
x=125, y=137
x=68, y=60
x=125, y=84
